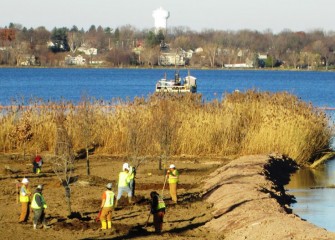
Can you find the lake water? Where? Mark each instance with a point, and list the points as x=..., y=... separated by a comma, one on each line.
x=72, y=84
x=315, y=205
x=315, y=195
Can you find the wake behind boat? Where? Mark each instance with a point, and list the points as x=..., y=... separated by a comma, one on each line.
x=178, y=85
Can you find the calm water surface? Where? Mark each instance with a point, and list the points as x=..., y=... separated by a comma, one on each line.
x=72, y=84
x=315, y=200
x=315, y=205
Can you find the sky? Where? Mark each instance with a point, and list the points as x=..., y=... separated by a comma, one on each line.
x=197, y=15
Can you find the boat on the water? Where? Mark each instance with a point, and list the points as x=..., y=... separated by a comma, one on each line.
x=177, y=85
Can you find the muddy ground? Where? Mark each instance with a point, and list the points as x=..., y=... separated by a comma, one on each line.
x=218, y=199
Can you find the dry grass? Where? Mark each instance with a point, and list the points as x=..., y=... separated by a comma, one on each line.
x=243, y=123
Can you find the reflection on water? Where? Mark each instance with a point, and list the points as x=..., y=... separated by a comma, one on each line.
x=315, y=195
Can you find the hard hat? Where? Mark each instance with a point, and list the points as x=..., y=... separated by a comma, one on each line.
x=40, y=187
x=172, y=166
x=25, y=180
x=109, y=185
x=125, y=166
x=153, y=193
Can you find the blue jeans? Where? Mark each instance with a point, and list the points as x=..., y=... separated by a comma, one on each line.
x=121, y=190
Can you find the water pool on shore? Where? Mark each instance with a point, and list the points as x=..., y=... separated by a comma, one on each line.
x=314, y=190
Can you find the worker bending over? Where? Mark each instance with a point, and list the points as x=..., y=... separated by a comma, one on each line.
x=158, y=210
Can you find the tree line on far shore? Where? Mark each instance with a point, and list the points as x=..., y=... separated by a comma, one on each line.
x=127, y=46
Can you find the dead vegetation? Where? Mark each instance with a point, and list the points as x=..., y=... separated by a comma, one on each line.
x=176, y=125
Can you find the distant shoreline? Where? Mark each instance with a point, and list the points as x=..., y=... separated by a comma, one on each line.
x=172, y=68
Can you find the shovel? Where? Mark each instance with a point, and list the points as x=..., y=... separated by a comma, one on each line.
x=166, y=176
x=146, y=224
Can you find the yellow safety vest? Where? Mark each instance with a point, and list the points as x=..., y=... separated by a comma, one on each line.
x=109, y=201
x=174, y=176
x=123, y=179
x=24, y=194
x=161, y=203
x=34, y=203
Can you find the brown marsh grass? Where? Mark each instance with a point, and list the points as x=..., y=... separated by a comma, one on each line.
x=173, y=125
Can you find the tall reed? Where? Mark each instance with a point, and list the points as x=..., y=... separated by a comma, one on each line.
x=161, y=124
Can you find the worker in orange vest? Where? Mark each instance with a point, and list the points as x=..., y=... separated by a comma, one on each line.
x=107, y=204
x=24, y=200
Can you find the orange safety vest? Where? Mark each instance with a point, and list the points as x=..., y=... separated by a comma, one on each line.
x=109, y=201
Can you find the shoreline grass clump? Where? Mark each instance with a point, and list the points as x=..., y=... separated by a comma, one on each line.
x=166, y=125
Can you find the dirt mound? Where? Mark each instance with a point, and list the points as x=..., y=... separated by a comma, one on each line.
x=249, y=201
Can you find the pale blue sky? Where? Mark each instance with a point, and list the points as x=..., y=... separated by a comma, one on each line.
x=277, y=15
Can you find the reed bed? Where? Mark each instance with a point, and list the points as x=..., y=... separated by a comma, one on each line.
x=242, y=123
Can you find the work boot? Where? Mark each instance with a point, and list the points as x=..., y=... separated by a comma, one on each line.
x=103, y=225
x=130, y=200
x=45, y=226
x=109, y=224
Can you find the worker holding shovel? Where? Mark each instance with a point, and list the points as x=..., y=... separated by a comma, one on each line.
x=173, y=180
x=158, y=211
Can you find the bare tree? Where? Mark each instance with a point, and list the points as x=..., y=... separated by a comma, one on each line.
x=75, y=40
x=150, y=55
x=86, y=123
x=165, y=125
x=210, y=51
x=63, y=160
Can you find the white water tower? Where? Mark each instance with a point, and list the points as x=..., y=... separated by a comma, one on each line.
x=160, y=15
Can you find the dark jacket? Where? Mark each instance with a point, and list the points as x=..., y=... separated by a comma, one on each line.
x=154, y=204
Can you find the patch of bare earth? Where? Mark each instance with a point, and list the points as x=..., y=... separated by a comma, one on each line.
x=218, y=199
x=250, y=202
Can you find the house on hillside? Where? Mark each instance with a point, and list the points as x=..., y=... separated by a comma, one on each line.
x=88, y=51
x=78, y=60
x=26, y=60
x=248, y=64
x=174, y=58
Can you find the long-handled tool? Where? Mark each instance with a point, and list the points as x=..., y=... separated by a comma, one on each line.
x=17, y=186
x=166, y=176
x=146, y=223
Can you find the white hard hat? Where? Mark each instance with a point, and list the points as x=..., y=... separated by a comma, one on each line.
x=25, y=180
x=172, y=166
x=40, y=187
x=109, y=185
x=125, y=166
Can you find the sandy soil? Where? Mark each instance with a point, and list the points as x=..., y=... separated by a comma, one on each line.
x=218, y=199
